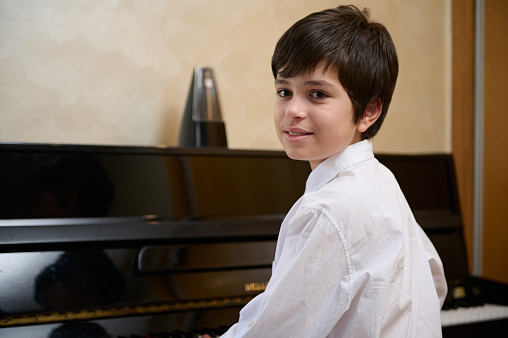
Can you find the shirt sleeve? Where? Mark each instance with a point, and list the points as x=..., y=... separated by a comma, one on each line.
x=309, y=288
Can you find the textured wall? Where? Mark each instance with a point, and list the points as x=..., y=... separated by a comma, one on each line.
x=117, y=72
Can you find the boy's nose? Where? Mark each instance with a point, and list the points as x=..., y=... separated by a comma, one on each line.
x=296, y=109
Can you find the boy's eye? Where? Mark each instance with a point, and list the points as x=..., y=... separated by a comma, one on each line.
x=283, y=92
x=317, y=94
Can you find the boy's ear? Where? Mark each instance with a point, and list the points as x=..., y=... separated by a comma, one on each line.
x=370, y=116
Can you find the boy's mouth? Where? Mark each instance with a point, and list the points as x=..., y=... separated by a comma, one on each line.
x=293, y=133
x=296, y=135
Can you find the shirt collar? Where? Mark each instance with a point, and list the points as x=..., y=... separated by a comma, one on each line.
x=335, y=164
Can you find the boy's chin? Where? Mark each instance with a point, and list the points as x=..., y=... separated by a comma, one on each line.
x=294, y=155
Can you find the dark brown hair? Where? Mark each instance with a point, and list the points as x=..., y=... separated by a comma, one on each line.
x=344, y=39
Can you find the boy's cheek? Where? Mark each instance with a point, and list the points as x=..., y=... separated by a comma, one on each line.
x=278, y=114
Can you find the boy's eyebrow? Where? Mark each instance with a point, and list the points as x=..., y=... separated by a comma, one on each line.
x=278, y=80
x=319, y=83
x=323, y=83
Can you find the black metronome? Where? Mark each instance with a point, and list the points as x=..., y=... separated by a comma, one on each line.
x=202, y=124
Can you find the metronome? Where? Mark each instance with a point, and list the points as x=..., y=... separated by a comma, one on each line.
x=202, y=124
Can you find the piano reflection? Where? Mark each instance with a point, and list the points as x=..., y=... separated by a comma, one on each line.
x=105, y=241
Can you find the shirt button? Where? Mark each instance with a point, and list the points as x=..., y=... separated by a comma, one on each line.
x=250, y=323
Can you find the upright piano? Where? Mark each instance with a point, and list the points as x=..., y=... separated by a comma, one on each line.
x=111, y=241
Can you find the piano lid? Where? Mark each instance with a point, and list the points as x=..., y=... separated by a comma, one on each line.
x=68, y=181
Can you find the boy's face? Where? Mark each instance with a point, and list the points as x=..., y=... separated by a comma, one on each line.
x=314, y=116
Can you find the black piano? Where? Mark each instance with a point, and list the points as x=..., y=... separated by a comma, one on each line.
x=109, y=241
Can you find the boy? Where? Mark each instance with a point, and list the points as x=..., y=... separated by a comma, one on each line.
x=351, y=261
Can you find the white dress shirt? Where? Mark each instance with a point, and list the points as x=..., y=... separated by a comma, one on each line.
x=351, y=261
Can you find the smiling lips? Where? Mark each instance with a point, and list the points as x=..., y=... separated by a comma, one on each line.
x=296, y=135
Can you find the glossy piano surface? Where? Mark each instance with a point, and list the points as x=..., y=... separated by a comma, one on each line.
x=67, y=181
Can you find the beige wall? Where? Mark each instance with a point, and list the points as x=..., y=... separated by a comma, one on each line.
x=117, y=72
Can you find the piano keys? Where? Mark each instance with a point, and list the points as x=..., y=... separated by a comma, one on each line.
x=473, y=314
